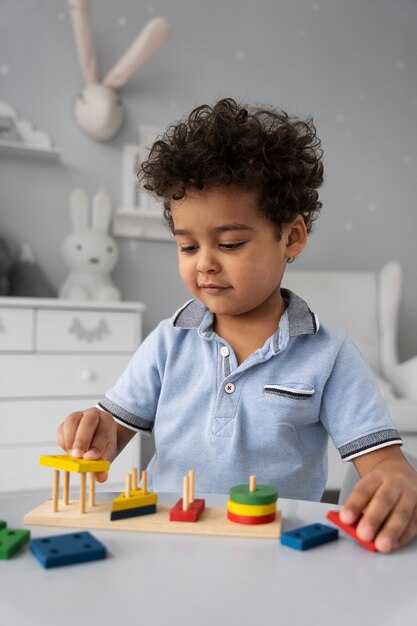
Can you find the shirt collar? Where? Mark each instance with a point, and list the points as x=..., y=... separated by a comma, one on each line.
x=301, y=321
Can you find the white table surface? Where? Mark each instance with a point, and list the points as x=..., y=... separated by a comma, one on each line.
x=166, y=579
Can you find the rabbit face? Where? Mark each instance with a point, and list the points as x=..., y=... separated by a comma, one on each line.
x=99, y=111
x=90, y=251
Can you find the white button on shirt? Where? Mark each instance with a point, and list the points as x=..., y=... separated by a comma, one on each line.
x=224, y=351
x=229, y=388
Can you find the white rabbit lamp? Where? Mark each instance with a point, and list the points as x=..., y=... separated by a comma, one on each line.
x=89, y=251
x=98, y=108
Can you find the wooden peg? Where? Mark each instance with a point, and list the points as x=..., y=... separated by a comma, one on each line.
x=55, y=491
x=128, y=486
x=185, y=494
x=135, y=485
x=252, y=483
x=144, y=483
x=92, y=499
x=191, y=483
x=66, y=487
x=83, y=483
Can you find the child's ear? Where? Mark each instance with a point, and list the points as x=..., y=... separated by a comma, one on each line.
x=296, y=237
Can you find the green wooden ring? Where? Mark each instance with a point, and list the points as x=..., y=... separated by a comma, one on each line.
x=264, y=494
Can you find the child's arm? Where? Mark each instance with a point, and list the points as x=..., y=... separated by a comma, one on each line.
x=93, y=434
x=387, y=497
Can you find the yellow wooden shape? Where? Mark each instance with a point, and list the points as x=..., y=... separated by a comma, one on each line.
x=251, y=510
x=121, y=503
x=69, y=464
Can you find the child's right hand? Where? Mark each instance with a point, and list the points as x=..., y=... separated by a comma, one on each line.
x=89, y=434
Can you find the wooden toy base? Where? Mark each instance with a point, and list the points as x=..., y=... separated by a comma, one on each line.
x=212, y=521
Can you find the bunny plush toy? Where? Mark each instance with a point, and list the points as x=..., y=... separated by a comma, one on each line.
x=98, y=108
x=89, y=251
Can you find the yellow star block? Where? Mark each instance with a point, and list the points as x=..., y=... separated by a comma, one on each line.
x=69, y=464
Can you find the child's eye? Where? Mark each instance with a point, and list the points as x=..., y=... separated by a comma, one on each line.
x=231, y=246
x=187, y=249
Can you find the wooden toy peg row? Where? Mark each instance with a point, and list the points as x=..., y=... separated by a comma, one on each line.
x=188, y=490
x=131, y=483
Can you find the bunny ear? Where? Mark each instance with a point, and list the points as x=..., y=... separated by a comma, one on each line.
x=81, y=23
x=79, y=210
x=152, y=37
x=101, y=211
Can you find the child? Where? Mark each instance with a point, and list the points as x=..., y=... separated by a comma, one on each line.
x=243, y=380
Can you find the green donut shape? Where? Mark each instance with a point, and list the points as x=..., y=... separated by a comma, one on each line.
x=264, y=494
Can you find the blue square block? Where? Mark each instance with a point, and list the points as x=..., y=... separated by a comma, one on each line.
x=310, y=536
x=67, y=549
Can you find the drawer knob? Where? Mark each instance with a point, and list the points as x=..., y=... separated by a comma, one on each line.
x=87, y=375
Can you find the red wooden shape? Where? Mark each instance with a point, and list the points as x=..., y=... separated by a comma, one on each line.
x=251, y=520
x=195, y=509
x=350, y=529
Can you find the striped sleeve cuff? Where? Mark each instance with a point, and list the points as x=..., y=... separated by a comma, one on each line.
x=125, y=418
x=369, y=443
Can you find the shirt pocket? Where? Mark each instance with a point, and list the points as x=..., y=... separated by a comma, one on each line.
x=292, y=391
x=292, y=403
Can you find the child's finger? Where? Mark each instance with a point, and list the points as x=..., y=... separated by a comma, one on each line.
x=101, y=477
x=378, y=511
x=85, y=433
x=67, y=430
x=360, y=497
x=397, y=524
x=102, y=446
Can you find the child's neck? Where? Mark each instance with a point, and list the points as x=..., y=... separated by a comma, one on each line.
x=248, y=332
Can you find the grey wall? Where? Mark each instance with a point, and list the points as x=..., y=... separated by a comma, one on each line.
x=351, y=64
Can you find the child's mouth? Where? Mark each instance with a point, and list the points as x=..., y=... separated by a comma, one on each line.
x=212, y=289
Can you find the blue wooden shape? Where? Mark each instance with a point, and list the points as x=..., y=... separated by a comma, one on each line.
x=310, y=536
x=67, y=549
x=134, y=512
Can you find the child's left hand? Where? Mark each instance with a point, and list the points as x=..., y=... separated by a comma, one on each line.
x=386, y=495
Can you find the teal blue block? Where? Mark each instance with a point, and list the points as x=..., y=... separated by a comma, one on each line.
x=11, y=541
x=310, y=536
x=67, y=549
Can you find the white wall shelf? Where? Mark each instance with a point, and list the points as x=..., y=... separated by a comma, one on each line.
x=140, y=216
x=21, y=149
x=140, y=224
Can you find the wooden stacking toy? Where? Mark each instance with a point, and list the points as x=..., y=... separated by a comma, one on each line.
x=134, y=501
x=81, y=466
x=188, y=509
x=252, y=504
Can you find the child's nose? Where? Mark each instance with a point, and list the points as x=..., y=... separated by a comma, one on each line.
x=207, y=262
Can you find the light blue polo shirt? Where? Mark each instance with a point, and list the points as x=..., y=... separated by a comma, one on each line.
x=269, y=416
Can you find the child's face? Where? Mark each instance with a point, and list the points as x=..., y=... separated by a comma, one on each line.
x=229, y=254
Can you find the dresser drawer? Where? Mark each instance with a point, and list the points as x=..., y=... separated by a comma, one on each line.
x=47, y=375
x=20, y=470
x=16, y=330
x=35, y=421
x=87, y=331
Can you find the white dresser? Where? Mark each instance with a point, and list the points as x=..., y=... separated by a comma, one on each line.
x=56, y=357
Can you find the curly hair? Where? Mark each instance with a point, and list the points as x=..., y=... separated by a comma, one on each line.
x=231, y=144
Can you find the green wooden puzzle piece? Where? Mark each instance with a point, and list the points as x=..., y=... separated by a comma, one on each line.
x=11, y=540
x=3, y=524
